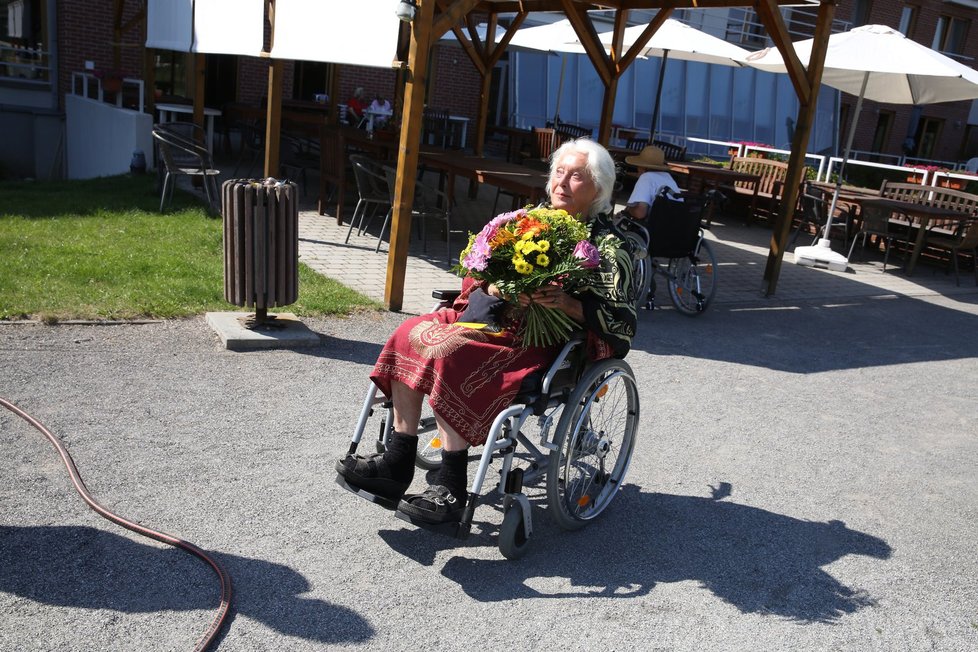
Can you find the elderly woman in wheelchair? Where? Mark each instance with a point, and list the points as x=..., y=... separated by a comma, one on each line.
x=484, y=385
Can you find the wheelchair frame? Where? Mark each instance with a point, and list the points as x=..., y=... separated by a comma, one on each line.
x=572, y=453
x=691, y=278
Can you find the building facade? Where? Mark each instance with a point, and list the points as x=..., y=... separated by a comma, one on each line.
x=46, y=47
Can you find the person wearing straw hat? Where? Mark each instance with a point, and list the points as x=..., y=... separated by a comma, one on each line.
x=651, y=161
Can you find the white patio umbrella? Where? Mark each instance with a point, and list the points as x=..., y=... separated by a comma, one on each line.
x=680, y=41
x=875, y=62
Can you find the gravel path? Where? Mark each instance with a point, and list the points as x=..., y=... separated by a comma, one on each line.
x=804, y=480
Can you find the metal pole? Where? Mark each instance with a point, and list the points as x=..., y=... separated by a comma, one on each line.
x=658, y=95
x=845, y=155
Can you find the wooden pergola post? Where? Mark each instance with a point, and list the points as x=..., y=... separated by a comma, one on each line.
x=806, y=83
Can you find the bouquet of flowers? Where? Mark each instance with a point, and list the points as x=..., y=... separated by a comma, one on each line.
x=526, y=249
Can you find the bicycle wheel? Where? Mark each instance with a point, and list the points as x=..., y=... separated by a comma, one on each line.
x=641, y=269
x=693, y=279
x=595, y=440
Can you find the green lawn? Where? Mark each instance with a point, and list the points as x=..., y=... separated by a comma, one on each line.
x=99, y=249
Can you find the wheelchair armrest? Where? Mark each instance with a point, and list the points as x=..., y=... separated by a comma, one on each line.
x=445, y=295
x=562, y=362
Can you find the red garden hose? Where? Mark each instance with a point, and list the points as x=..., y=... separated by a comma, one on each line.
x=222, y=610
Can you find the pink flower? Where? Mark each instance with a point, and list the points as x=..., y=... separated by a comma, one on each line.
x=588, y=253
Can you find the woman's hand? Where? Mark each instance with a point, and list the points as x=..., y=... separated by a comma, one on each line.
x=553, y=296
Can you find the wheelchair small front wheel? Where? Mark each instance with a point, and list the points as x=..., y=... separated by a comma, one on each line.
x=595, y=439
x=513, y=541
x=693, y=280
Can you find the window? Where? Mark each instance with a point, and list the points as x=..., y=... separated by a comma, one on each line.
x=950, y=34
x=860, y=12
x=171, y=72
x=928, y=133
x=908, y=20
x=23, y=37
x=884, y=124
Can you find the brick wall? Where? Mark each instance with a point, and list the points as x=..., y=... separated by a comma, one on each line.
x=951, y=145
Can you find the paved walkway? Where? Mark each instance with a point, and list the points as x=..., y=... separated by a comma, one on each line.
x=741, y=252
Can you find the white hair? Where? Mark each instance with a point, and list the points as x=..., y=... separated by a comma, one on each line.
x=599, y=165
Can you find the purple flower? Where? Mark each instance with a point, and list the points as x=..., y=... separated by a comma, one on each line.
x=588, y=253
x=478, y=257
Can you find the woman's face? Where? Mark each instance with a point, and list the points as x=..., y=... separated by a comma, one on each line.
x=572, y=187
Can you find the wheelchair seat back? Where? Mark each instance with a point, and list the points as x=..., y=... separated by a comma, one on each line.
x=674, y=224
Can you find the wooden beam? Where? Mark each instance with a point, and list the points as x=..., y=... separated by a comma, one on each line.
x=200, y=76
x=407, y=161
x=799, y=145
x=767, y=11
x=273, y=117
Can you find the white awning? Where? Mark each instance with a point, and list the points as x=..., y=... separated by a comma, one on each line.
x=211, y=26
x=362, y=33
x=229, y=26
x=169, y=24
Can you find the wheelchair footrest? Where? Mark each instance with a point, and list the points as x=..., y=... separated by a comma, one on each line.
x=386, y=503
x=457, y=530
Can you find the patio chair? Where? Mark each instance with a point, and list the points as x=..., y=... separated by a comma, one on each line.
x=637, y=144
x=252, y=142
x=672, y=151
x=429, y=204
x=372, y=190
x=299, y=155
x=814, y=203
x=964, y=238
x=435, y=127
x=875, y=221
x=185, y=157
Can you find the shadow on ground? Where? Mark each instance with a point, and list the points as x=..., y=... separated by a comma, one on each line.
x=77, y=566
x=756, y=560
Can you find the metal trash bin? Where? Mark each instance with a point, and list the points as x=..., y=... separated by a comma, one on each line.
x=261, y=245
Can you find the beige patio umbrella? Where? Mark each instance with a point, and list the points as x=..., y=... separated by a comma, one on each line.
x=875, y=62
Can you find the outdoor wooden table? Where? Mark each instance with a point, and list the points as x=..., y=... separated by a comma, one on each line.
x=710, y=177
x=519, y=180
x=920, y=215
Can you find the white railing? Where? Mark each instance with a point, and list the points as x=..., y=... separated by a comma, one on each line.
x=923, y=172
x=727, y=144
x=84, y=79
x=35, y=62
x=821, y=158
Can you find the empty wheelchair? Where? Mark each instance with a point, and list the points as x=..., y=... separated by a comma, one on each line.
x=572, y=426
x=671, y=243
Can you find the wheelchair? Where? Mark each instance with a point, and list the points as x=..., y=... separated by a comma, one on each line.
x=572, y=426
x=673, y=232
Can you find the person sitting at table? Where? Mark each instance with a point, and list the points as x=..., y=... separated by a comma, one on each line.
x=355, y=107
x=381, y=110
x=651, y=161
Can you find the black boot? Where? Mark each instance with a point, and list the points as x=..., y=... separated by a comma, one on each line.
x=444, y=501
x=386, y=474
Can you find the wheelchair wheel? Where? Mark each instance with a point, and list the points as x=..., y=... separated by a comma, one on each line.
x=693, y=280
x=429, y=445
x=595, y=440
x=642, y=270
x=513, y=542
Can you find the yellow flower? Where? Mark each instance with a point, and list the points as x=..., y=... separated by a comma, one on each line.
x=543, y=246
x=521, y=266
x=543, y=260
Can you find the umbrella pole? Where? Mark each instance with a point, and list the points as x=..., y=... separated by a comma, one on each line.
x=560, y=88
x=822, y=251
x=658, y=94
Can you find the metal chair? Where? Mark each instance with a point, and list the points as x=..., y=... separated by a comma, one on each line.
x=815, y=204
x=964, y=238
x=874, y=221
x=181, y=156
x=372, y=191
x=429, y=204
x=300, y=155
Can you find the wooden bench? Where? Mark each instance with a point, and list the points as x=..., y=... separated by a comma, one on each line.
x=763, y=196
x=957, y=200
